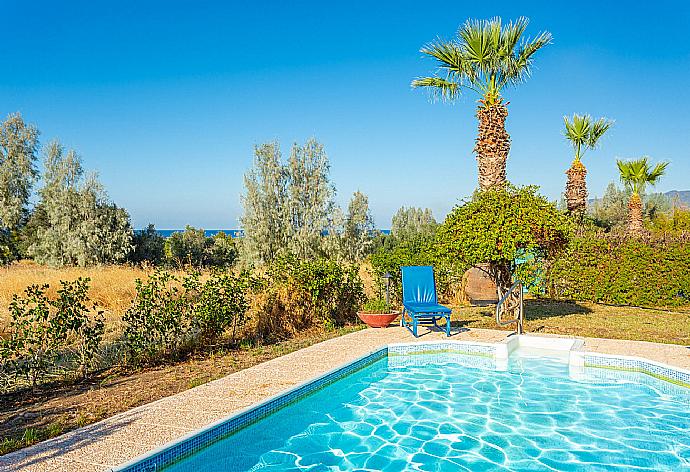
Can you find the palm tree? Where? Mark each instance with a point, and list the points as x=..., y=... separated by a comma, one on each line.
x=485, y=57
x=636, y=175
x=583, y=133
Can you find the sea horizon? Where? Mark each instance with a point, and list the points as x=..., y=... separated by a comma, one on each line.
x=209, y=233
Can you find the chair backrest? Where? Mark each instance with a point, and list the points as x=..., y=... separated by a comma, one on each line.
x=418, y=284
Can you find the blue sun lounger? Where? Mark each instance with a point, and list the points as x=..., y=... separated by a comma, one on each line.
x=419, y=299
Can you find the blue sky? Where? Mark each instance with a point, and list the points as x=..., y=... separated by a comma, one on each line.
x=167, y=99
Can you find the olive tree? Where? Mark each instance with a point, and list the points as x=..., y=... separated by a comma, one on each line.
x=501, y=224
x=78, y=224
x=18, y=149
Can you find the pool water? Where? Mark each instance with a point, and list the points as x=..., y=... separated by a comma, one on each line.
x=454, y=417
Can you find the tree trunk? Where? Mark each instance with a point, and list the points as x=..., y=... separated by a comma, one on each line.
x=576, y=188
x=492, y=145
x=502, y=276
x=635, y=224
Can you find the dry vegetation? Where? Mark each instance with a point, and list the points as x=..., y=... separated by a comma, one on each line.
x=590, y=320
x=29, y=417
x=111, y=287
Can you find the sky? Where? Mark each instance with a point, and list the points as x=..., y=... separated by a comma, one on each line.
x=166, y=99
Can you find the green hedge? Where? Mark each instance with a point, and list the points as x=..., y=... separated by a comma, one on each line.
x=412, y=253
x=653, y=271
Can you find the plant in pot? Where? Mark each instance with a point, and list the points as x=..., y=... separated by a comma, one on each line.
x=377, y=313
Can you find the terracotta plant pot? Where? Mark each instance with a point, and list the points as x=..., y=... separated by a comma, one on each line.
x=377, y=320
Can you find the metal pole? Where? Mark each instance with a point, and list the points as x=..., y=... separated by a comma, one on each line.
x=388, y=286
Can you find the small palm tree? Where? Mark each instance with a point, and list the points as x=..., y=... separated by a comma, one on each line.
x=583, y=133
x=485, y=57
x=636, y=175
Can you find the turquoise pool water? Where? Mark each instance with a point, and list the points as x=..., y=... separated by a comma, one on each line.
x=454, y=417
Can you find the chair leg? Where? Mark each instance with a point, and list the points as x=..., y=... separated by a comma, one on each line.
x=414, y=326
x=447, y=325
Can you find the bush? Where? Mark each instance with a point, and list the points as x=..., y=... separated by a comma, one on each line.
x=411, y=253
x=42, y=330
x=158, y=321
x=298, y=294
x=606, y=268
x=172, y=315
x=500, y=225
x=192, y=248
x=377, y=305
x=149, y=246
x=222, y=304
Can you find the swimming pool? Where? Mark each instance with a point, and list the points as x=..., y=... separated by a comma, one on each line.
x=458, y=412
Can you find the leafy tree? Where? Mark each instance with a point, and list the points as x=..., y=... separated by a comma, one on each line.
x=611, y=209
x=485, y=57
x=287, y=207
x=359, y=229
x=222, y=252
x=149, y=246
x=80, y=226
x=584, y=133
x=309, y=198
x=676, y=220
x=263, y=221
x=186, y=247
x=636, y=175
x=500, y=225
x=18, y=149
x=413, y=223
x=191, y=247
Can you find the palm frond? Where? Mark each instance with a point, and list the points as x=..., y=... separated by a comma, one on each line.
x=636, y=174
x=442, y=89
x=657, y=172
x=597, y=130
x=485, y=56
x=447, y=55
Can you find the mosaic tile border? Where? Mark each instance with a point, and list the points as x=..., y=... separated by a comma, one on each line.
x=443, y=347
x=639, y=365
x=198, y=440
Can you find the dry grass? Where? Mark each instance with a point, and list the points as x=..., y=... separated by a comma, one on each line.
x=111, y=287
x=590, y=320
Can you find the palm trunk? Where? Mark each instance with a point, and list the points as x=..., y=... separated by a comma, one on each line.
x=492, y=145
x=576, y=188
x=635, y=224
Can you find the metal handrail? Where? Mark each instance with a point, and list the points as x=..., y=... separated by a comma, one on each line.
x=503, y=300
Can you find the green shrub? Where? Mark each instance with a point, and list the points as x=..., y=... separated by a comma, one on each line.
x=158, y=321
x=149, y=247
x=298, y=294
x=412, y=253
x=172, y=315
x=606, y=268
x=498, y=226
x=42, y=330
x=222, y=304
x=192, y=248
x=377, y=305
x=81, y=322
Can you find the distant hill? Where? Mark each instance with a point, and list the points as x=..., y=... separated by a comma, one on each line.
x=683, y=196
